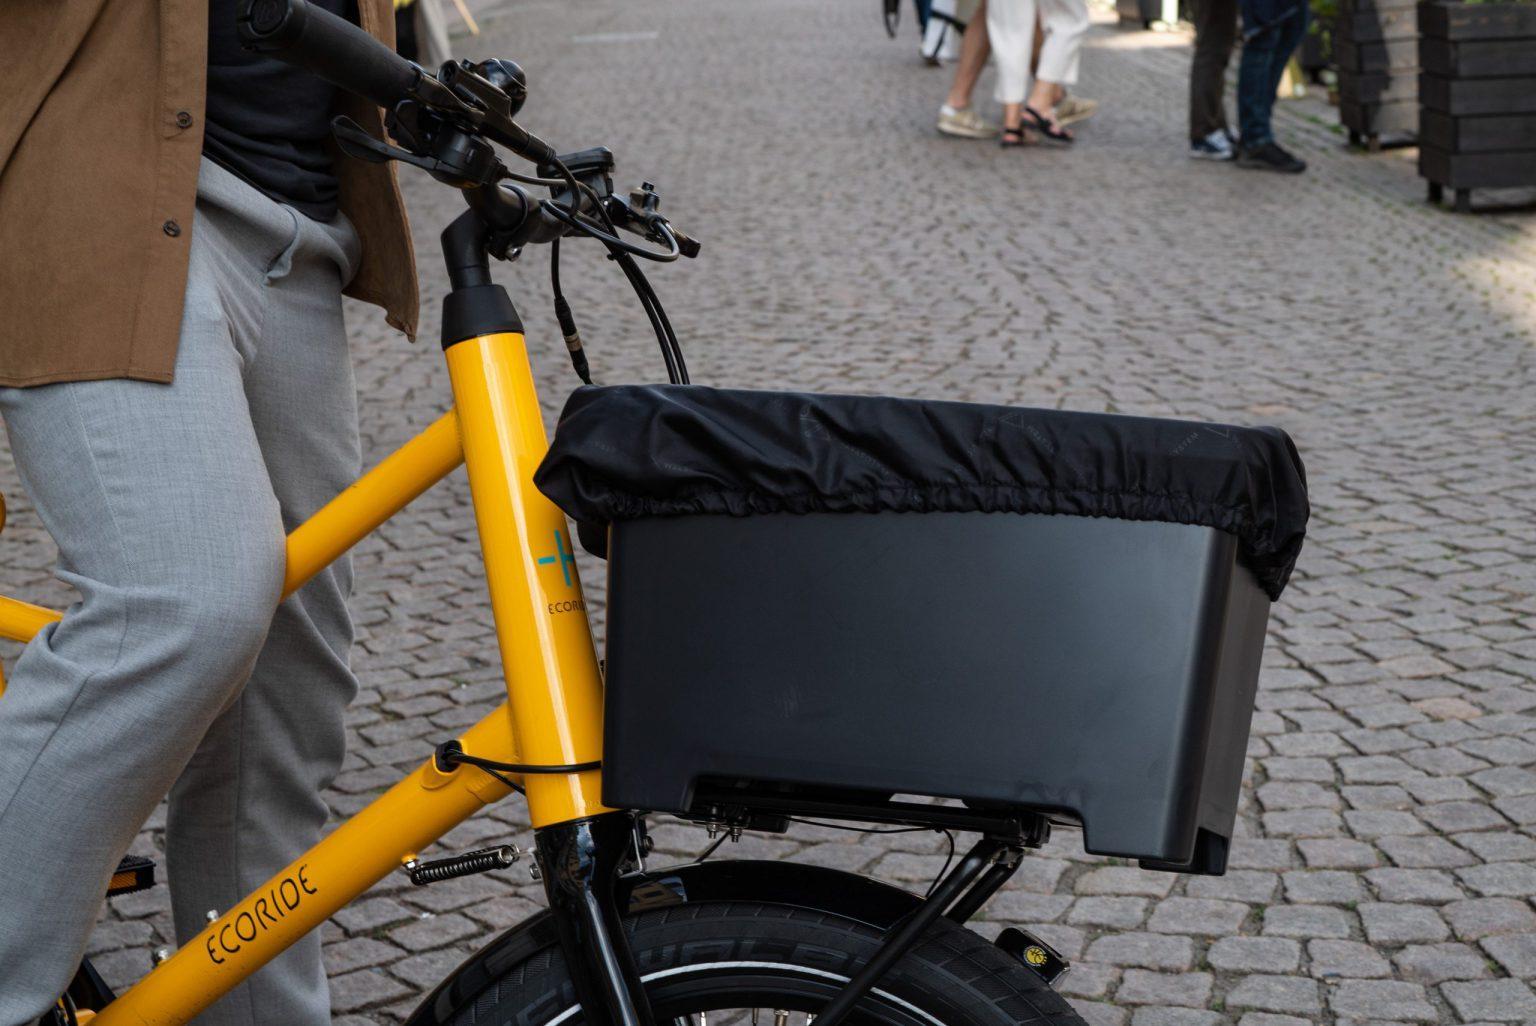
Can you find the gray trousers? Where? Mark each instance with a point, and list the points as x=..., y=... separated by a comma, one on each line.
x=178, y=669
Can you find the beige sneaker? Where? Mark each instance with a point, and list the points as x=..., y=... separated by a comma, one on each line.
x=1072, y=109
x=966, y=124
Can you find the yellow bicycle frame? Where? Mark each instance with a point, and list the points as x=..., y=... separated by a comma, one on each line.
x=553, y=715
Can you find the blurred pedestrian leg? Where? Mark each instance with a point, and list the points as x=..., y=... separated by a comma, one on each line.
x=947, y=20
x=1011, y=26
x=1215, y=33
x=956, y=116
x=1272, y=29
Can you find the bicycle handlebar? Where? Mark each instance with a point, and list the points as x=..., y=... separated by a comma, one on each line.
x=331, y=47
x=348, y=57
x=446, y=124
x=463, y=103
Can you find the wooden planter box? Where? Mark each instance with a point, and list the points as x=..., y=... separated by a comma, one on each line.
x=1491, y=58
x=1376, y=48
x=1477, y=97
x=1378, y=21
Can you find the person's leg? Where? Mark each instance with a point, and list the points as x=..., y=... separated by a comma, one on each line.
x=1066, y=23
x=1215, y=33
x=940, y=22
x=965, y=14
x=1289, y=35
x=1271, y=30
x=956, y=116
x=1255, y=92
x=949, y=46
x=1011, y=24
x=975, y=47
x=249, y=801
x=161, y=506
x=1065, y=105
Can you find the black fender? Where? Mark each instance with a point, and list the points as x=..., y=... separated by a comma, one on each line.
x=796, y=885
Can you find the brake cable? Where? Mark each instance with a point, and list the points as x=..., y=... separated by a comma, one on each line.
x=564, y=216
x=548, y=183
x=666, y=337
x=566, y=319
x=667, y=355
x=622, y=253
x=671, y=352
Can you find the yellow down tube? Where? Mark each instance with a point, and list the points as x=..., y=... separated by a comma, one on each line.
x=554, y=688
x=362, y=851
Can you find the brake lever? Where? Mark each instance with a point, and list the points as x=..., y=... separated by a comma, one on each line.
x=642, y=210
x=354, y=141
x=492, y=103
x=686, y=245
x=476, y=166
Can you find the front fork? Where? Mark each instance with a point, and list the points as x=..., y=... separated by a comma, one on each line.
x=581, y=862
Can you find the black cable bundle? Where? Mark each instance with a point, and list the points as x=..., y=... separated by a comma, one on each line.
x=566, y=319
x=620, y=252
x=671, y=352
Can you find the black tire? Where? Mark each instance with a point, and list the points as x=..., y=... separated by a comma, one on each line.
x=743, y=955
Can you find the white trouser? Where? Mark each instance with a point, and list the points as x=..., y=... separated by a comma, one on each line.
x=1011, y=26
x=941, y=39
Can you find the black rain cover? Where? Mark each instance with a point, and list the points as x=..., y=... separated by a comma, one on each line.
x=629, y=451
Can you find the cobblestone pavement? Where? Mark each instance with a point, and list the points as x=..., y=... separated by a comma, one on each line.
x=1388, y=833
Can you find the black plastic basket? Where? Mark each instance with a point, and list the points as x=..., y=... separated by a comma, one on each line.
x=817, y=603
x=1100, y=671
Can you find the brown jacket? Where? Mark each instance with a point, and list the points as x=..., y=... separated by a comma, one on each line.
x=101, y=131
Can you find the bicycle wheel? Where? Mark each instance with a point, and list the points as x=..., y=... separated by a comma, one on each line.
x=772, y=965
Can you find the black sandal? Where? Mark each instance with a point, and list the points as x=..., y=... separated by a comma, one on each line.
x=1047, y=127
x=1019, y=138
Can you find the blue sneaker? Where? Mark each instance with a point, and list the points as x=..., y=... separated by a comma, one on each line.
x=1216, y=146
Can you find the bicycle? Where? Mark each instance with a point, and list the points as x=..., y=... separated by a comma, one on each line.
x=620, y=945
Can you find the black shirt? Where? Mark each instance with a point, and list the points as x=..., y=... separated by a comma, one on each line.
x=267, y=121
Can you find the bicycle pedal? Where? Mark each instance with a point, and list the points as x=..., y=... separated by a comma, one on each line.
x=471, y=862
x=65, y=1014
x=133, y=873
x=1036, y=955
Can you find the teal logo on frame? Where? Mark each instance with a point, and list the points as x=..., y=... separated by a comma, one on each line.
x=564, y=556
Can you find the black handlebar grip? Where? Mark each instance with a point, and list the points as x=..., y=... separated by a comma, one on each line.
x=331, y=47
